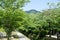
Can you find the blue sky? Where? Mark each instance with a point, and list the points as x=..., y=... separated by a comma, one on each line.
x=38, y=4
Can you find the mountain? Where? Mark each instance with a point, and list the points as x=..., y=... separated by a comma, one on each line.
x=32, y=11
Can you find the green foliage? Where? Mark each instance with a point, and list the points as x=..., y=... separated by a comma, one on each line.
x=13, y=3
x=40, y=24
x=1, y=30
x=35, y=26
x=11, y=16
x=11, y=20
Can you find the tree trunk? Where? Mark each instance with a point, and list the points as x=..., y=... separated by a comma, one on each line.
x=9, y=36
x=57, y=36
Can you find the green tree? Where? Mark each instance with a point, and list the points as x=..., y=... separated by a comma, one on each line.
x=13, y=3
x=11, y=20
x=11, y=16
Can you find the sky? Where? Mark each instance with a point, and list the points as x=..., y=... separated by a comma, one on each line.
x=38, y=4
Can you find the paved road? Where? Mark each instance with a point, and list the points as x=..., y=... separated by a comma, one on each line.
x=21, y=36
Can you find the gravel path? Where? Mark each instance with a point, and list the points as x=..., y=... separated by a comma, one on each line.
x=53, y=36
x=21, y=36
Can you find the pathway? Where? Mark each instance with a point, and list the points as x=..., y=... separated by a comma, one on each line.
x=53, y=36
x=21, y=36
